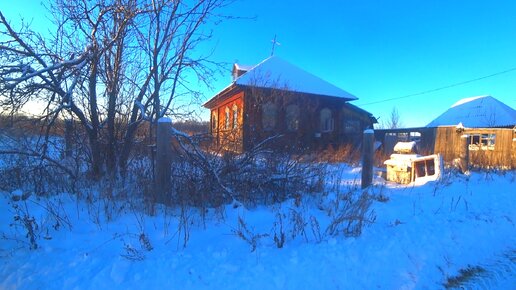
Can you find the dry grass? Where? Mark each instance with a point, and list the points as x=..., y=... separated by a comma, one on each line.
x=346, y=153
x=464, y=276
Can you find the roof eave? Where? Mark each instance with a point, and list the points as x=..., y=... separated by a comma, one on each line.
x=347, y=99
x=224, y=91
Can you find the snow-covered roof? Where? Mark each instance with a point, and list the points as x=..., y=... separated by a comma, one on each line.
x=275, y=72
x=477, y=112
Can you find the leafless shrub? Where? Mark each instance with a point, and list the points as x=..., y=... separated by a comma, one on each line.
x=145, y=242
x=24, y=224
x=32, y=163
x=183, y=227
x=133, y=254
x=258, y=176
x=316, y=229
x=55, y=209
x=278, y=230
x=351, y=216
x=378, y=194
x=247, y=235
x=298, y=224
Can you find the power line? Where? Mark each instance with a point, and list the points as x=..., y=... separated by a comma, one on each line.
x=442, y=88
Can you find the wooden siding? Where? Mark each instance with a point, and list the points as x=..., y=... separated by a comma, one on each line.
x=500, y=155
x=231, y=138
x=309, y=134
x=446, y=141
x=389, y=138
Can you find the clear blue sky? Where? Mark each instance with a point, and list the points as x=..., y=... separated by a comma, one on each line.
x=377, y=49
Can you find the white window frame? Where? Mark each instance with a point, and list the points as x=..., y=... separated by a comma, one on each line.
x=235, y=116
x=327, y=123
x=226, y=118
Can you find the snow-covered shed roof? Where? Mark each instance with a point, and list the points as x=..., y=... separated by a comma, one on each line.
x=477, y=112
x=275, y=72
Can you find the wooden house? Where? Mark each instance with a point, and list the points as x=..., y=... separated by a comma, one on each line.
x=489, y=124
x=277, y=99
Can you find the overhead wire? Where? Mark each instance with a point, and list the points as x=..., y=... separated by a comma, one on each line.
x=440, y=88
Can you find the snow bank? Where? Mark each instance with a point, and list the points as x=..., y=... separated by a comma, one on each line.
x=421, y=236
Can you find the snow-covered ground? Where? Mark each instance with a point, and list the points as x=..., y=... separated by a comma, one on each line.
x=421, y=236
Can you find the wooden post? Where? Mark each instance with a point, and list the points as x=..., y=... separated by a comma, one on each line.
x=163, y=159
x=68, y=138
x=367, y=158
x=513, y=155
x=464, y=154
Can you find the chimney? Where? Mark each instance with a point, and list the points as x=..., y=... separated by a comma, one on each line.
x=239, y=70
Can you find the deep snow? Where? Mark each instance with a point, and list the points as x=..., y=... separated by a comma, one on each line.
x=421, y=236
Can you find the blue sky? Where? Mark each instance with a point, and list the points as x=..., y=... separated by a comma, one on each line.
x=375, y=50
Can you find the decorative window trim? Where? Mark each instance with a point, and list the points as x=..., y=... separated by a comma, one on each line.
x=327, y=123
x=214, y=121
x=226, y=118
x=235, y=116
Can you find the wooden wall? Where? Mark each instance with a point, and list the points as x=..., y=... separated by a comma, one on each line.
x=309, y=135
x=446, y=141
x=502, y=154
x=389, y=138
x=231, y=138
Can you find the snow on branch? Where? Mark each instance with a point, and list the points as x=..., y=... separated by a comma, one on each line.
x=192, y=149
x=39, y=155
x=142, y=109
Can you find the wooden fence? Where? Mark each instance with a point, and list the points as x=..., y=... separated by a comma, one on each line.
x=488, y=147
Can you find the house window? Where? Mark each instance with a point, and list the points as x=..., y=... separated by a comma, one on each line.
x=326, y=120
x=235, y=116
x=482, y=141
x=292, y=117
x=269, y=113
x=226, y=119
x=350, y=126
x=214, y=121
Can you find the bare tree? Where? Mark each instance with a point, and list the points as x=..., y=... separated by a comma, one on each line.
x=112, y=64
x=394, y=120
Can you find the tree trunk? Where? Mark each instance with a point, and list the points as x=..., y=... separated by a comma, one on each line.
x=93, y=132
x=111, y=144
